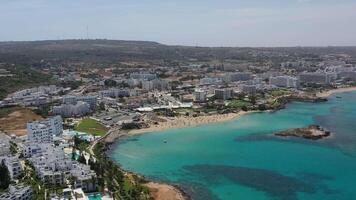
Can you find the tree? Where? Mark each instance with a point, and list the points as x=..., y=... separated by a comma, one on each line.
x=74, y=153
x=262, y=107
x=252, y=99
x=102, y=106
x=5, y=176
x=82, y=159
x=244, y=108
x=110, y=83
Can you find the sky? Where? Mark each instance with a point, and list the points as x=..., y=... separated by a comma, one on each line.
x=237, y=23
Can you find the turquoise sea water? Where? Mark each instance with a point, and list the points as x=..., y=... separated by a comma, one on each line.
x=241, y=159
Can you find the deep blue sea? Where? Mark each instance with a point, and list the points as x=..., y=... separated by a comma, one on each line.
x=242, y=159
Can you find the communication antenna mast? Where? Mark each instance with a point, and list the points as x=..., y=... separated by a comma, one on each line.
x=87, y=32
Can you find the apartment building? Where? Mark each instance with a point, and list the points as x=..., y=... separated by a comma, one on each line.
x=43, y=131
x=284, y=81
x=17, y=192
x=13, y=165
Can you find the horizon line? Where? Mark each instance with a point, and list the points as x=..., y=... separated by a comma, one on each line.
x=182, y=45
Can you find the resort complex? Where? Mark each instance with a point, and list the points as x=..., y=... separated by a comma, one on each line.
x=64, y=138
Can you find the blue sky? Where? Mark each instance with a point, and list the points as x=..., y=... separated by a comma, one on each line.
x=184, y=22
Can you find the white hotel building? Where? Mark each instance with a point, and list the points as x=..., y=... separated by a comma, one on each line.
x=43, y=131
x=53, y=167
x=284, y=81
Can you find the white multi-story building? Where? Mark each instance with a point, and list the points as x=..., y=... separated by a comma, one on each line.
x=133, y=82
x=284, y=81
x=34, y=96
x=155, y=84
x=114, y=93
x=84, y=177
x=210, y=81
x=91, y=100
x=248, y=89
x=53, y=167
x=237, y=76
x=43, y=131
x=13, y=165
x=72, y=110
x=143, y=76
x=317, y=78
x=199, y=96
x=347, y=75
x=223, y=94
x=30, y=149
x=17, y=192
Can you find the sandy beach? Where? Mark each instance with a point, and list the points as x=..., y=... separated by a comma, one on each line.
x=165, y=192
x=183, y=122
x=335, y=91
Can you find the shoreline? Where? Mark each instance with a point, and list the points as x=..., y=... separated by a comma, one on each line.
x=158, y=190
x=187, y=122
x=328, y=93
x=165, y=191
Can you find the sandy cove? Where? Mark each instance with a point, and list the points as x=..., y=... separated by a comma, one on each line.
x=162, y=191
x=165, y=192
x=183, y=122
x=335, y=91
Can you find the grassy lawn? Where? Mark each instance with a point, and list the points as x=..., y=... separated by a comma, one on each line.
x=238, y=104
x=281, y=92
x=184, y=110
x=91, y=126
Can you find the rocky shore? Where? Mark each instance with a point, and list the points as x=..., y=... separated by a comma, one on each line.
x=313, y=132
x=284, y=100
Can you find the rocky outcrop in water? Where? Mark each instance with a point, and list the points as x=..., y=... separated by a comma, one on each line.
x=313, y=132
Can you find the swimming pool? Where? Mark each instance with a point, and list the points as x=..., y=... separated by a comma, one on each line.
x=95, y=197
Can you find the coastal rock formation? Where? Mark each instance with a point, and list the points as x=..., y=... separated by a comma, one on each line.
x=313, y=132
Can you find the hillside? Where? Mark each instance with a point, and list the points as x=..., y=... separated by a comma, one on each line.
x=113, y=51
